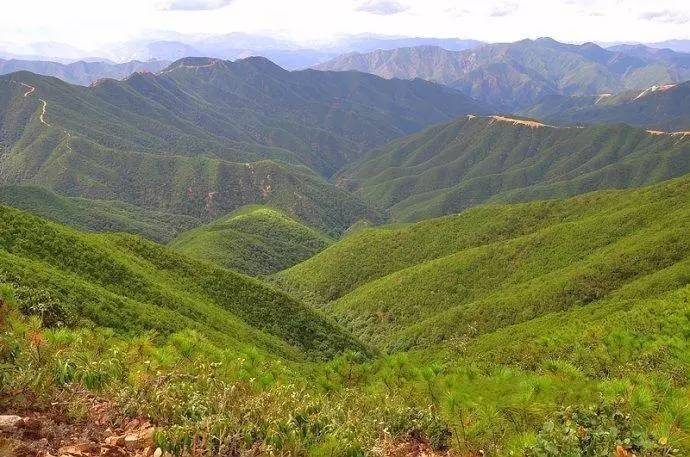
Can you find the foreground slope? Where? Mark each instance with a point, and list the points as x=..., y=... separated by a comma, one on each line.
x=133, y=286
x=494, y=267
x=474, y=160
x=255, y=240
x=543, y=329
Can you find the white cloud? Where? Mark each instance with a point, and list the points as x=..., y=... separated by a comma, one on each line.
x=91, y=24
x=382, y=7
x=505, y=9
x=193, y=5
x=668, y=16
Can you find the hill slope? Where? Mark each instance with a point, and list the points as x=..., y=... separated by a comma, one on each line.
x=494, y=267
x=241, y=111
x=512, y=76
x=255, y=240
x=665, y=108
x=197, y=138
x=496, y=159
x=132, y=285
x=96, y=215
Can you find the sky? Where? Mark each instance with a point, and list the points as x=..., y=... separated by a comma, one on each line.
x=89, y=24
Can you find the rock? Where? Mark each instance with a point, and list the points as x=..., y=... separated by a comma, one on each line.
x=9, y=423
x=139, y=440
x=158, y=452
x=115, y=440
x=76, y=450
x=112, y=451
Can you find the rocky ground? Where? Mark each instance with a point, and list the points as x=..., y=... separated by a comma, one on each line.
x=48, y=433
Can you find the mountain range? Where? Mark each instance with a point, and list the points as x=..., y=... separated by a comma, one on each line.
x=82, y=73
x=659, y=108
x=230, y=258
x=205, y=136
x=513, y=76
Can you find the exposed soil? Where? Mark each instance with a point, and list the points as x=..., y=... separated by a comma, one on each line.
x=49, y=433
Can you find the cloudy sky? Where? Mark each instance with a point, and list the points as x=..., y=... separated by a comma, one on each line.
x=89, y=24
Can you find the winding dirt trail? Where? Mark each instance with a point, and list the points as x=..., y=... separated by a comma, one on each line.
x=43, y=112
x=31, y=90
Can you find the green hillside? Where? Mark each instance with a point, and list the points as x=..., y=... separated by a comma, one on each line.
x=475, y=160
x=206, y=137
x=495, y=267
x=96, y=215
x=663, y=108
x=132, y=286
x=548, y=328
x=242, y=111
x=256, y=240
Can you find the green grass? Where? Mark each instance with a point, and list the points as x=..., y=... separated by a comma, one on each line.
x=255, y=240
x=131, y=285
x=96, y=215
x=468, y=162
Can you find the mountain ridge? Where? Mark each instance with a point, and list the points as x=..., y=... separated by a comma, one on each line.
x=515, y=75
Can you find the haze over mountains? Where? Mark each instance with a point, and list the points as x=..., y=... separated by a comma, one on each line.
x=174, y=46
x=82, y=73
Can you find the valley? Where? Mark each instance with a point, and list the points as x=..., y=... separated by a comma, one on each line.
x=427, y=247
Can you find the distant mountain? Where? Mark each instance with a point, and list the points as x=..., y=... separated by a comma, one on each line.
x=255, y=240
x=513, y=76
x=664, y=108
x=475, y=160
x=83, y=73
x=205, y=136
x=675, y=45
x=368, y=43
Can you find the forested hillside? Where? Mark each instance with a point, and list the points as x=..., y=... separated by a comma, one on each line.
x=132, y=286
x=470, y=275
x=96, y=215
x=474, y=160
x=661, y=108
x=197, y=138
x=255, y=240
